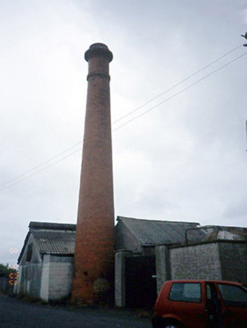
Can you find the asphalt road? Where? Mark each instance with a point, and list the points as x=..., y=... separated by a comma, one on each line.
x=21, y=314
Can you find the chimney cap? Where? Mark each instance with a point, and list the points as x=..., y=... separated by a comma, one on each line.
x=98, y=50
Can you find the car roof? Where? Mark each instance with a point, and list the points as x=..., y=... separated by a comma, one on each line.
x=207, y=281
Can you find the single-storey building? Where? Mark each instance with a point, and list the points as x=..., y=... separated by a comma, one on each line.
x=150, y=252
x=46, y=261
x=147, y=253
x=135, y=258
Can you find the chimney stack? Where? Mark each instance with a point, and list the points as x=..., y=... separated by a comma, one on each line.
x=94, y=257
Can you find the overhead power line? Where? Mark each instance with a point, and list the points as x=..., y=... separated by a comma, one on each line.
x=36, y=167
x=44, y=168
x=177, y=84
x=179, y=92
x=22, y=177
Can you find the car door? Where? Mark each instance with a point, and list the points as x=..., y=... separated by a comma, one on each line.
x=213, y=307
x=186, y=303
x=234, y=309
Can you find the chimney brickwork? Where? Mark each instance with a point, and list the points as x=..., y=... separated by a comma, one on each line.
x=93, y=262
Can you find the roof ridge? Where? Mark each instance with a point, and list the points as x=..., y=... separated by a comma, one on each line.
x=156, y=220
x=34, y=225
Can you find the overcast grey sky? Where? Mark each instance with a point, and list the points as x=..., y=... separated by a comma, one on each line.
x=184, y=160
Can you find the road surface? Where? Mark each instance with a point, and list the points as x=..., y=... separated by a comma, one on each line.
x=21, y=314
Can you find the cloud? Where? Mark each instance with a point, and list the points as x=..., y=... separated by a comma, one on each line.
x=236, y=211
x=245, y=15
x=183, y=160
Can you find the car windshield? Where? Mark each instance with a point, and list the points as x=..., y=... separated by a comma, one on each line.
x=233, y=295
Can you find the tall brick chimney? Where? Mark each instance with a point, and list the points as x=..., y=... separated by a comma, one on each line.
x=94, y=247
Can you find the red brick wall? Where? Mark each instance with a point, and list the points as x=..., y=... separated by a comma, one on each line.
x=94, y=235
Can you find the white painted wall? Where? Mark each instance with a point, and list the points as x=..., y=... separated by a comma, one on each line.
x=56, y=281
x=44, y=290
x=60, y=280
x=19, y=281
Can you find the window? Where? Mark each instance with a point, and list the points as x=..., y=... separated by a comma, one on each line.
x=29, y=252
x=209, y=292
x=186, y=292
x=233, y=295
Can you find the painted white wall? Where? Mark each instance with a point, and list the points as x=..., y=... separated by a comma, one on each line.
x=18, y=286
x=44, y=290
x=60, y=281
x=56, y=281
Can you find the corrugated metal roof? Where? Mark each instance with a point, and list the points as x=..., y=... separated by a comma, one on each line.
x=154, y=232
x=55, y=242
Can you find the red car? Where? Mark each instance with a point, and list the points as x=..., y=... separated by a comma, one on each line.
x=201, y=304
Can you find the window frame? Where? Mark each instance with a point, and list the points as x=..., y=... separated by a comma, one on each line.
x=199, y=301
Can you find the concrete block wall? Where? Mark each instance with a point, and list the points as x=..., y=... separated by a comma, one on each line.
x=19, y=281
x=233, y=258
x=200, y=261
x=56, y=277
x=22, y=279
x=219, y=260
x=163, y=269
x=44, y=290
x=60, y=280
x=120, y=283
x=34, y=282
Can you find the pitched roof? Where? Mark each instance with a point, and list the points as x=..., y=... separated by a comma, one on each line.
x=55, y=242
x=154, y=232
x=51, y=238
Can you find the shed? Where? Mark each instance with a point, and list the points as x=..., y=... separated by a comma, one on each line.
x=46, y=261
x=135, y=258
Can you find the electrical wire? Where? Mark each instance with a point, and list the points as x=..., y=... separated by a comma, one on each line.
x=8, y=184
x=177, y=84
x=179, y=92
x=44, y=168
x=34, y=168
